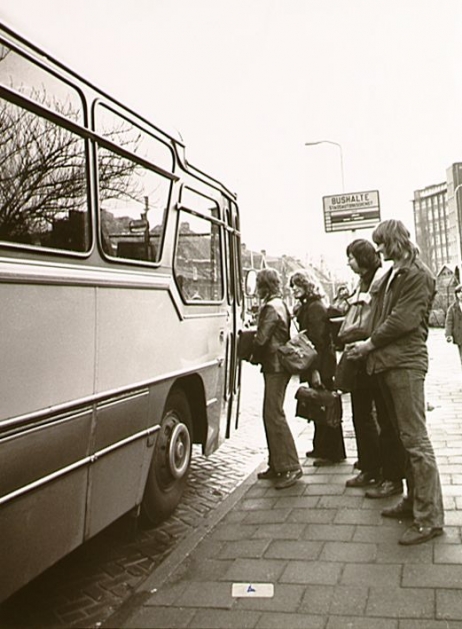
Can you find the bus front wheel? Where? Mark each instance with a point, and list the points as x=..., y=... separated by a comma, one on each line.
x=171, y=460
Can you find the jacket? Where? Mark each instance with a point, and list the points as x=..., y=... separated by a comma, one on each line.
x=454, y=323
x=400, y=327
x=273, y=330
x=312, y=317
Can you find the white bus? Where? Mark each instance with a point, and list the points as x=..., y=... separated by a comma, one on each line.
x=120, y=304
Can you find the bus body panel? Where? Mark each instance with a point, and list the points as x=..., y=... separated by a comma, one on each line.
x=49, y=351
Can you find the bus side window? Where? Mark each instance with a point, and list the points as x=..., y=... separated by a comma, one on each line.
x=133, y=198
x=198, y=259
x=43, y=181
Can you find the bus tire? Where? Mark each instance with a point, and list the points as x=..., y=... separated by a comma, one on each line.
x=171, y=460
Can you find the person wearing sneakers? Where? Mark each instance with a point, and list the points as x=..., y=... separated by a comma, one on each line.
x=273, y=330
x=380, y=452
x=397, y=352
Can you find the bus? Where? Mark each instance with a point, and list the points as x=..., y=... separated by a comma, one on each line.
x=121, y=303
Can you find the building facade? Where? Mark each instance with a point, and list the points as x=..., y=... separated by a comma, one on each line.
x=438, y=221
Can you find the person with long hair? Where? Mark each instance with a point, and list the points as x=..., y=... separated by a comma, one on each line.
x=312, y=316
x=397, y=353
x=273, y=331
x=380, y=452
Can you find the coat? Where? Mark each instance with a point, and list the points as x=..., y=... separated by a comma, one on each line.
x=273, y=330
x=312, y=317
x=402, y=310
x=454, y=323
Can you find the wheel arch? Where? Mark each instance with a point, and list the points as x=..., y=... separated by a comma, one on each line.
x=193, y=387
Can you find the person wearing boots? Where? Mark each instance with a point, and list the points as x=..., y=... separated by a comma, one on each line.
x=397, y=353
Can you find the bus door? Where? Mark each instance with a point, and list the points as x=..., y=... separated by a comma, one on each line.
x=234, y=297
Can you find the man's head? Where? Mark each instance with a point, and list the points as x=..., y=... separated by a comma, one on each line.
x=393, y=240
x=458, y=292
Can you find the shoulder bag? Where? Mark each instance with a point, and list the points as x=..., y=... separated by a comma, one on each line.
x=297, y=355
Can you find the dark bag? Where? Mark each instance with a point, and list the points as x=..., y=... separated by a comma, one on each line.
x=297, y=355
x=319, y=405
x=346, y=374
x=245, y=344
x=357, y=324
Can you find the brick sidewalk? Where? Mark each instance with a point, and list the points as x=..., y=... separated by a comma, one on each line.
x=333, y=561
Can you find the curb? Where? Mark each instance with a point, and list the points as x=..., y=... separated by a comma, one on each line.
x=185, y=547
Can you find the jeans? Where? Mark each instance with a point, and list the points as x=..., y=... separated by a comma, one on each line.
x=283, y=455
x=405, y=399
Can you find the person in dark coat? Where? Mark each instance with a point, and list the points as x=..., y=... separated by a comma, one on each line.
x=454, y=321
x=380, y=453
x=397, y=352
x=273, y=331
x=311, y=315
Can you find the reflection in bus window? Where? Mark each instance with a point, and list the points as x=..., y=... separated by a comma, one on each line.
x=198, y=260
x=18, y=73
x=124, y=133
x=43, y=182
x=133, y=201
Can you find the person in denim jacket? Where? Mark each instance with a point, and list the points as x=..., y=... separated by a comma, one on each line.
x=273, y=331
x=397, y=352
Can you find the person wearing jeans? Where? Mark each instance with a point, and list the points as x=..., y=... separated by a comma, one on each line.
x=273, y=331
x=397, y=352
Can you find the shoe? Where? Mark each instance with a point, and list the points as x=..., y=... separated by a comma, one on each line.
x=417, y=534
x=325, y=462
x=356, y=465
x=288, y=478
x=400, y=511
x=311, y=454
x=363, y=479
x=385, y=489
x=268, y=474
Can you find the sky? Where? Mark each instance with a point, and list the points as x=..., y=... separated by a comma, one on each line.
x=248, y=83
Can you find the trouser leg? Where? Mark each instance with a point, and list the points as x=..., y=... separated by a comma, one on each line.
x=281, y=446
x=406, y=388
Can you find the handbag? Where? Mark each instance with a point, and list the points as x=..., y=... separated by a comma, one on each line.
x=297, y=355
x=357, y=324
x=346, y=374
x=245, y=344
x=319, y=405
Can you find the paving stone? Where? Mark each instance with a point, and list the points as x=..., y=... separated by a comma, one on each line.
x=223, y=619
x=271, y=620
x=276, y=531
x=311, y=572
x=326, y=532
x=255, y=570
x=356, y=622
x=399, y=602
x=348, y=551
x=368, y=574
x=160, y=617
x=429, y=624
x=449, y=604
x=436, y=576
x=288, y=549
x=244, y=549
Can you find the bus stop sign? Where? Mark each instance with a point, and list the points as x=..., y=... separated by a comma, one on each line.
x=351, y=210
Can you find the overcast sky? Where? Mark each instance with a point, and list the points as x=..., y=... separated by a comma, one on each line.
x=248, y=82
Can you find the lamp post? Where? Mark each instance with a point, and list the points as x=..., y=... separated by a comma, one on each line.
x=341, y=155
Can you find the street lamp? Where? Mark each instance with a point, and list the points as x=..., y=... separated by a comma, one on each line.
x=341, y=155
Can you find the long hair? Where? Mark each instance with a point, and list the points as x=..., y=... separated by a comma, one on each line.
x=395, y=236
x=365, y=254
x=269, y=281
x=311, y=287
